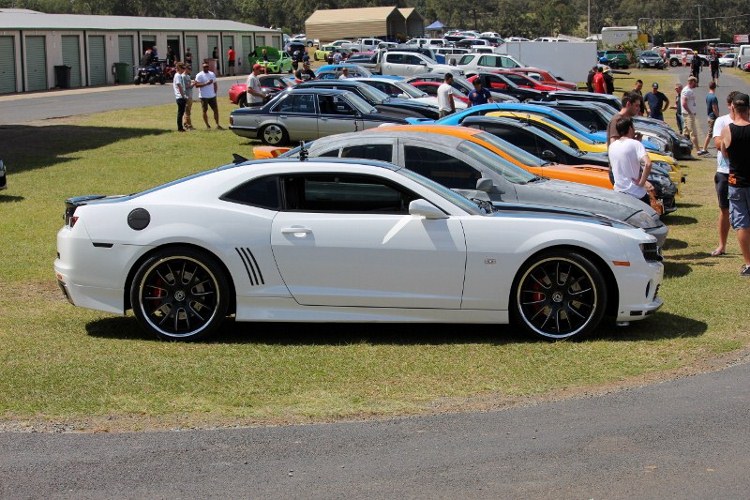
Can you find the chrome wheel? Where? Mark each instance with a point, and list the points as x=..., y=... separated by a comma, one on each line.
x=559, y=296
x=180, y=294
x=273, y=135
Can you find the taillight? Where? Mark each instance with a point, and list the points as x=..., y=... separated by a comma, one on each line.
x=72, y=221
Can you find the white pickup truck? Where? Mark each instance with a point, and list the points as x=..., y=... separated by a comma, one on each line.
x=405, y=63
x=363, y=44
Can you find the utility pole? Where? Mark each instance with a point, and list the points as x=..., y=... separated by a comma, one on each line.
x=700, y=28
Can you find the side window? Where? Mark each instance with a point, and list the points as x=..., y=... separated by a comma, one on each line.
x=296, y=103
x=394, y=58
x=506, y=63
x=485, y=61
x=344, y=193
x=382, y=152
x=428, y=89
x=412, y=59
x=334, y=105
x=585, y=118
x=263, y=192
x=442, y=168
x=334, y=153
x=466, y=59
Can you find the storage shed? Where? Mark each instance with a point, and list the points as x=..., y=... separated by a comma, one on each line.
x=414, y=23
x=40, y=51
x=332, y=24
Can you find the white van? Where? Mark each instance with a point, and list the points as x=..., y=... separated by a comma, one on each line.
x=743, y=55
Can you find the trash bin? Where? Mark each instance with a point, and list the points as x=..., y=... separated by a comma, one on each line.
x=122, y=73
x=62, y=77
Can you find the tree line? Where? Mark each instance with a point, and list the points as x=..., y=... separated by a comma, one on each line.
x=663, y=20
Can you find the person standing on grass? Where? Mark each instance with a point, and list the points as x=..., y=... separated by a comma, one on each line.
x=187, y=121
x=205, y=81
x=626, y=155
x=735, y=146
x=677, y=106
x=631, y=106
x=255, y=95
x=180, y=95
x=657, y=102
x=689, y=110
x=598, y=81
x=721, y=178
x=712, y=111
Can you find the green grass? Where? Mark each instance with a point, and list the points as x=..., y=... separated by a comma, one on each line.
x=95, y=371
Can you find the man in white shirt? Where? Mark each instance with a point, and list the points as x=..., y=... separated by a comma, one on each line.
x=689, y=109
x=180, y=94
x=205, y=82
x=446, y=104
x=721, y=178
x=255, y=94
x=626, y=156
x=344, y=74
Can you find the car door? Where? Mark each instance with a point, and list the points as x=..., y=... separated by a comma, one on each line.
x=347, y=240
x=297, y=114
x=337, y=116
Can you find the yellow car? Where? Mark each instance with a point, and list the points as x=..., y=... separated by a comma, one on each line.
x=323, y=52
x=577, y=141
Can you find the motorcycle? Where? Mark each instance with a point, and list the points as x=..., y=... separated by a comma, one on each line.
x=150, y=74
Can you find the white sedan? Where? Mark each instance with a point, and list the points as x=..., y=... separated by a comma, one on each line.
x=328, y=240
x=729, y=60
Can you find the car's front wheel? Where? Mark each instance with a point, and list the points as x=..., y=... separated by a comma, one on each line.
x=274, y=135
x=180, y=294
x=559, y=295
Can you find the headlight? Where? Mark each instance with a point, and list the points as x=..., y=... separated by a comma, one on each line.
x=658, y=141
x=643, y=220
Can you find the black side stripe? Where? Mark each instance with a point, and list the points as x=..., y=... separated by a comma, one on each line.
x=251, y=266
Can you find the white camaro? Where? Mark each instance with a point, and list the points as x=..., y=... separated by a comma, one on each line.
x=347, y=240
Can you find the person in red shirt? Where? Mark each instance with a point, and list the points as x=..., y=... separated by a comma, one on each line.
x=230, y=60
x=598, y=82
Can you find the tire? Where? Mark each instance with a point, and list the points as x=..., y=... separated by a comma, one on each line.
x=545, y=307
x=315, y=56
x=674, y=63
x=180, y=294
x=162, y=80
x=274, y=135
x=137, y=80
x=152, y=80
x=242, y=101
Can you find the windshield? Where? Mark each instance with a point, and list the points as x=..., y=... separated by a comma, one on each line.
x=523, y=157
x=360, y=104
x=496, y=163
x=410, y=90
x=372, y=94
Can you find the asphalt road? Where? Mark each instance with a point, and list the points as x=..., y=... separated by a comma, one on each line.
x=687, y=438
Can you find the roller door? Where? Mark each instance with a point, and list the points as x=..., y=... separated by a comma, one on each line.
x=125, y=49
x=191, y=42
x=213, y=41
x=227, y=41
x=71, y=53
x=7, y=65
x=97, y=61
x=247, y=48
x=36, y=63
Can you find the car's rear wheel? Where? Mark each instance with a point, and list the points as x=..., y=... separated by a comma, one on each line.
x=559, y=295
x=674, y=62
x=180, y=294
x=274, y=135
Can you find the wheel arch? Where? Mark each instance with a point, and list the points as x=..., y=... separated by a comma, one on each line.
x=134, y=269
x=613, y=291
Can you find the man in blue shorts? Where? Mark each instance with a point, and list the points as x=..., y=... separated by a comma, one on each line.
x=735, y=146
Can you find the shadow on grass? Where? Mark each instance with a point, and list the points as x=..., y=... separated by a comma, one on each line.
x=10, y=199
x=672, y=244
x=29, y=147
x=679, y=220
x=688, y=205
x=659, y=326
x=676, y=269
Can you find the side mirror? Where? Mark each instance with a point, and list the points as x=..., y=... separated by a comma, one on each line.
x=566, y=142
x=484, y=184
x=548, y=155
x=423, y=208
x=402, y=96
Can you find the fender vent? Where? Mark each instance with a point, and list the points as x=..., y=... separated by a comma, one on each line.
x=251, y=266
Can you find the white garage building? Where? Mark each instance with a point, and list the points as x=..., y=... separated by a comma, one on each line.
x=33, y=44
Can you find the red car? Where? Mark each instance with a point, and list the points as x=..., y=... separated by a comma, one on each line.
x=270, y=84
x=526, y=81
x=430, y=88
x=545, y=77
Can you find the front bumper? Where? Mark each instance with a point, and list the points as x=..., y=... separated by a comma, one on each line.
x=639, y=291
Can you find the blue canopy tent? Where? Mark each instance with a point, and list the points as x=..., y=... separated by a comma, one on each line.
x=436, y=27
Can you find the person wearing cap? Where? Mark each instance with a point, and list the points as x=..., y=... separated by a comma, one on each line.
x=180, y=94
x=689, y=110
x=205, y=82
x=721, y=178
x=677, y=106
x=712, y=111
x=479, y=95
x=609, y=81
x=657, y=102
x=255, y=94
x=735, y=146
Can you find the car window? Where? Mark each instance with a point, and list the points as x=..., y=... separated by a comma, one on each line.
x=296, y=103
x=344, y=193
x=586, y=117
x=441, y=167
x=466, y=59
x=506, y=62
x=394, y=58
x=369, y=151
x=518, y=79
x=334, y=105
x=263, y=192
x=428, y=89
x=412, y=59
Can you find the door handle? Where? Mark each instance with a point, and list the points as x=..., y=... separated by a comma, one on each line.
x=297, y=231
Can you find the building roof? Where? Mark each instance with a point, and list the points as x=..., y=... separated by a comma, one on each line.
x=21, y=19
x=333, y=16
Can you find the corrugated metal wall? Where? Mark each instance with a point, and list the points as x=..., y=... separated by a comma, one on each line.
x=333, y=31
x=7, y=65
x=71, y=56
x=36, y=63
x=97, y=61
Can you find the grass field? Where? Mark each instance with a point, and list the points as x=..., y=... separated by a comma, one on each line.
x=67, y=368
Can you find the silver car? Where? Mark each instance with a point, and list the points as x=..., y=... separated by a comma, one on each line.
x=307, y=114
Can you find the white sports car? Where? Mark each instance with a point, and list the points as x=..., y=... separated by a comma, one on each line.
x=347, y=240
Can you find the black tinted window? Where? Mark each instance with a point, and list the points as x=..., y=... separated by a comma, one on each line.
x=296, y=103
x=369, y=151
x=262, y=193
x=442, y=168
x=344, y=193
x=334, y=105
